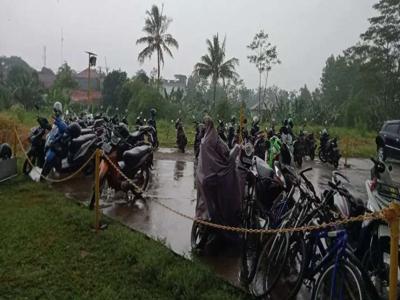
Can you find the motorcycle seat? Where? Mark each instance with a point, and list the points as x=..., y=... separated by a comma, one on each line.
x=77, y=142
x=263, y=170
x=132, y=157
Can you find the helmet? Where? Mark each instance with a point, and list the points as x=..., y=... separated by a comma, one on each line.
x=255, y=119
x=74, y=130
x=285, y=123
x=153, y=112
x=324, y=131
x=290, y=122
x=57, y=108
x=5, y=151
x=233, y=119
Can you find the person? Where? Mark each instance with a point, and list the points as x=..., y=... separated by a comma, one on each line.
x=152, y=120
x=217, y=180
x=231, y=132
x=255, y=128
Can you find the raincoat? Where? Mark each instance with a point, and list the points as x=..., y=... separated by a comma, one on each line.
x=217, y=180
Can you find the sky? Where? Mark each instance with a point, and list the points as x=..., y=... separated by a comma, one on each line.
x=306, y=33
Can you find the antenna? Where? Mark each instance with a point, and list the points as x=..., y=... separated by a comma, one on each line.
x=44, y=56
x=105, y=63
x=62, y=45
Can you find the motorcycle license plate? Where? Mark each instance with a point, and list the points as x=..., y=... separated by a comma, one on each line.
x=106, y=148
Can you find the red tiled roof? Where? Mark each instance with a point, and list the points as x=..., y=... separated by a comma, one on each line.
x=82, y=96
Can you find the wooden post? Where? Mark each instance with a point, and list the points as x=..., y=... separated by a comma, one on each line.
x=97, y=190
x=394, y=248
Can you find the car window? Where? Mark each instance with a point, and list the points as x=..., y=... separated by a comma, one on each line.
x=392, y=128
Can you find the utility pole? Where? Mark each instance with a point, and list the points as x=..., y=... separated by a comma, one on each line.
x=62, y=46
x=44, y=56
x=92, y=62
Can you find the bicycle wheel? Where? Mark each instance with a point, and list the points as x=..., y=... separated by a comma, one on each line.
x=249, y=255
x=271, y=262
x=339, y=280
x=294, y=267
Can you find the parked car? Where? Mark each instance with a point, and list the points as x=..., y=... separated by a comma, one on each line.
x=388, y=140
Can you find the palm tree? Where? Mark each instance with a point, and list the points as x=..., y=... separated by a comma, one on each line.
x=157, y=39
x=213, y=64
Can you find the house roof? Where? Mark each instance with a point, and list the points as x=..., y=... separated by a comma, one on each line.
x=84, y=73
x=82, y=96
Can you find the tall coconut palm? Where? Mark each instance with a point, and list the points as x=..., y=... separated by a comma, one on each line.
x=157, y=39
x=214, y=66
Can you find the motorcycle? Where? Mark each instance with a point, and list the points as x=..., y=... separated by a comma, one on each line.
x=328, y=150
x=299, y=150
x=310, y=145
x=133, y=160
x=181, y=140
x=37, y=139
x=376, y=234
x=67, y=150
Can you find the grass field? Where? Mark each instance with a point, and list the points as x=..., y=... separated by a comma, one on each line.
x=353, y=142
x=48, y=251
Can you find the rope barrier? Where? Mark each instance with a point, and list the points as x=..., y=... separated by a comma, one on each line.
x=47, y=178
x=390, y=214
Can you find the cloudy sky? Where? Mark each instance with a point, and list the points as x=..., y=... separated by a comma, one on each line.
x=306, y=32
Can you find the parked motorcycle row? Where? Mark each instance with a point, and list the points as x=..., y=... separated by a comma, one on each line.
x=273, y=146
x=350, y=261
x=71, y=141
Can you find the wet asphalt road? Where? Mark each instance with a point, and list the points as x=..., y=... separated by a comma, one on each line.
x=172, y=183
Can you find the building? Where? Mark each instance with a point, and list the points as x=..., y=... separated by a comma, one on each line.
x=80, y=94
x=96, y=80
x=46, y=77
x=178, y=83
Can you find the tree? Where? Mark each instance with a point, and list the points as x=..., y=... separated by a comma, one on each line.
x=264, y=57
x=65, y=78
x=112, y=88
x=62, y=86
x=24, y=86
x=214, y=64
x=157, y=39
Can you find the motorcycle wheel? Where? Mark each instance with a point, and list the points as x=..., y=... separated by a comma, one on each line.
x=198, y=237
x=322, y=156
x=336, y=164
x=142, y=178
x=299, y=161
x=47, y=167
x=312, y=155
x=27, y=168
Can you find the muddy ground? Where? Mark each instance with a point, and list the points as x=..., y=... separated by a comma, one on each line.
x=172, y=183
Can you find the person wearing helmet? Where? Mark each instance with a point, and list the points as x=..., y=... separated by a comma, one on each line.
x=58, y=119
x=152, y=119
x=255, y=128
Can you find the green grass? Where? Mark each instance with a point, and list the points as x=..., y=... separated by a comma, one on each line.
x=48, y=251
